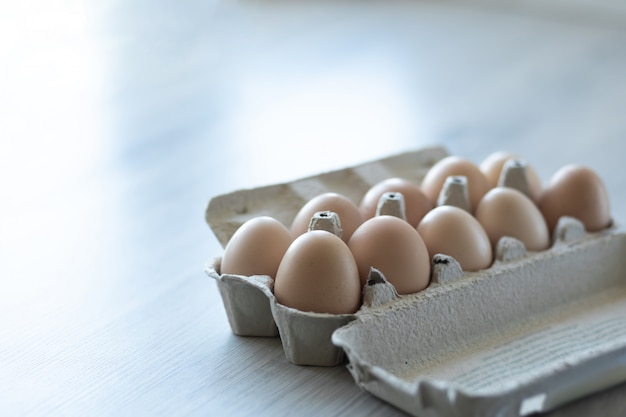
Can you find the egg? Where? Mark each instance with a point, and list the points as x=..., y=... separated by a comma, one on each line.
x=415, y=201
x=477, y=184
x=394, y=247
x=349, y=215
x=578, y=192
x=318, y=273
x=508, y=212
x=492, y=168
x=452, y=231
x=256, y=248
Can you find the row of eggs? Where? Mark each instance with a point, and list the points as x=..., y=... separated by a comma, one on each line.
x=315, y=270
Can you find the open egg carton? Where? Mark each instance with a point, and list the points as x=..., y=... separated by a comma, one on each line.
x=531, y=332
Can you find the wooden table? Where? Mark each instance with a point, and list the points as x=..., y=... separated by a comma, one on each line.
x=119, y=121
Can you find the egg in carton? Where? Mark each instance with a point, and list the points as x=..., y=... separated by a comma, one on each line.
x=249, y=301
x=531, y=332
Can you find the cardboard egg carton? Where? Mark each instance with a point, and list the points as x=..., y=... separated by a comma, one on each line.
x=533, y=331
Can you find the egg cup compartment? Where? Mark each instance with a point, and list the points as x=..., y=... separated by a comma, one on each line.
x=245, y=300
x=533, y=331
x=306, y=336
x=252, y=310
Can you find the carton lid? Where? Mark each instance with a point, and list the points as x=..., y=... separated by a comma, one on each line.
x=225, y=213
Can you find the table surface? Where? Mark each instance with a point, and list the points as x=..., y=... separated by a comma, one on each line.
x=119, y=121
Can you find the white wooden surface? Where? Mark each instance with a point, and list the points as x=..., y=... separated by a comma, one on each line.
x=118, y=122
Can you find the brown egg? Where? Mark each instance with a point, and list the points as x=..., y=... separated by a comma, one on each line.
x=416, y=202
x=477, y=184
x=394, y=247
x=349, y=214
x=256, y=248
x=492, y=168
x=508, y=212
x=452, y=231
x=318, y=273
x=578, y=192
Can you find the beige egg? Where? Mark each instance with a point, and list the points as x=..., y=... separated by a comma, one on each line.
x=578, y=192
x=452, y=231
x=416, y=202
x=508, y=212
x=477, y=184
x=492, y=168
x=349, y=215
x=256, y=248
x=318, y=273
x=394, y=247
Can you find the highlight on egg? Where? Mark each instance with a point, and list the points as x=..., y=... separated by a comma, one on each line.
x=318, y=273
x=395, y=248
x=256, y=248
x=452, y=231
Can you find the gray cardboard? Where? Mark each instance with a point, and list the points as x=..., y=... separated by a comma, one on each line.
x=523, y=336
x=245, y=301
x=533, y=331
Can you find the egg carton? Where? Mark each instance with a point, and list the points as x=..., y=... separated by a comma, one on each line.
x=532, y=332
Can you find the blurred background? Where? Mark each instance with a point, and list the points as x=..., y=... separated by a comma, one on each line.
x=119, y=120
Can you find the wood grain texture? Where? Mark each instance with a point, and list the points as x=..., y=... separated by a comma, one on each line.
x=119, y=121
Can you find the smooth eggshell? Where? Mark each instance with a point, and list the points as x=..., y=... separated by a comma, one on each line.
x=416, y=202
x=492, y=168
x=318, y=273
x=508, y=212
x=349, y=215
x=452, y=231
x=578, y=192
x=394, y=247
x=477, y=184
x=256, y=248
